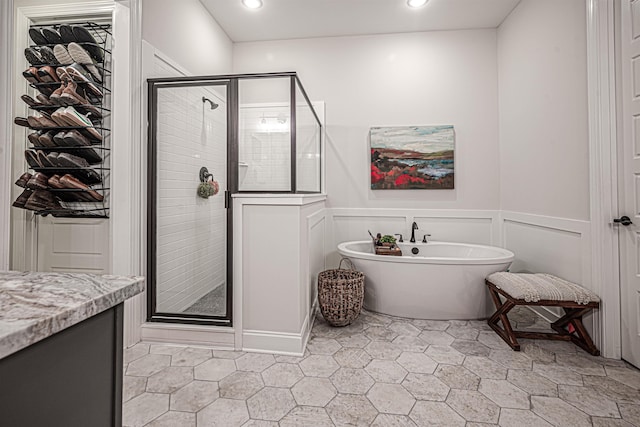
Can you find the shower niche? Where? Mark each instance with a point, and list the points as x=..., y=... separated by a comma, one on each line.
x=253, y=133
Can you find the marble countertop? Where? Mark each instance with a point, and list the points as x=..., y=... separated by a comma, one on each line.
x=34, y=306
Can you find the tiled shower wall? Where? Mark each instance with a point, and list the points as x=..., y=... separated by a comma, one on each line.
x=264, y=148
x=191, y=232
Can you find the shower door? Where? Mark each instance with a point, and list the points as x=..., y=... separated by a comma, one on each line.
x=189, y=214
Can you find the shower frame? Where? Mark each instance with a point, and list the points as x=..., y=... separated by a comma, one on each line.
x=233, y=111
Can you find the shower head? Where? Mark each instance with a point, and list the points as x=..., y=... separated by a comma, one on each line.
x=213, y=104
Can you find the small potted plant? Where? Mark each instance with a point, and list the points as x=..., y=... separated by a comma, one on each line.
x=387, y=240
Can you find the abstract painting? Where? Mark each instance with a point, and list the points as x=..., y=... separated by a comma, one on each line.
x=412, y=157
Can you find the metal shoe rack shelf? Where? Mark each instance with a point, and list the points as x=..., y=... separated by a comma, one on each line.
x=98, y=177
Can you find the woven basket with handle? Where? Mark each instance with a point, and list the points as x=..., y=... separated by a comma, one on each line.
x=340, y=294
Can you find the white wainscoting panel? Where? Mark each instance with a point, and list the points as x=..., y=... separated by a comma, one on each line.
x=346, y=224
x=551, y=245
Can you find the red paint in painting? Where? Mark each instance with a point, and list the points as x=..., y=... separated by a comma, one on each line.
x=408, y=179
x=376, y=175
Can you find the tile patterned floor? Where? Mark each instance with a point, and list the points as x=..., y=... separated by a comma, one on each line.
x=383, y=371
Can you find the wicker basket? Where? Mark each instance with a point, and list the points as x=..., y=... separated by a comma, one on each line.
x=340, y=294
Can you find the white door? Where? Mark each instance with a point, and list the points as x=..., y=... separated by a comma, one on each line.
x=629, y=167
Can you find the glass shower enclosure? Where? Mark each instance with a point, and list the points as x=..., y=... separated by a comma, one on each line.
x=211, y=137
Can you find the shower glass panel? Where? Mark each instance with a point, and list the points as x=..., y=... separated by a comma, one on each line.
x=189, y=160
x=211, y=137
x=307, y=140
x=264, y=135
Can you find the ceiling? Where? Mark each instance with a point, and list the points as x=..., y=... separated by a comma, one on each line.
x=293, y=19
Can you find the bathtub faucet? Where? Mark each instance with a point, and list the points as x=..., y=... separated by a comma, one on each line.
x=414, y=227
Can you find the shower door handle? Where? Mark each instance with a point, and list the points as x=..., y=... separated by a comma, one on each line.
x=227, y=199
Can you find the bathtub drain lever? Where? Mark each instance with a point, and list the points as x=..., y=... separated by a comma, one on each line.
x=424, y=238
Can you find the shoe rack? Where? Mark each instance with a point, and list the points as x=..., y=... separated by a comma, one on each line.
x=69, y=189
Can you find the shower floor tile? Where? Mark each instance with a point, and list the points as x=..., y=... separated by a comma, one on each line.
x=384, y=371
x=212, y=304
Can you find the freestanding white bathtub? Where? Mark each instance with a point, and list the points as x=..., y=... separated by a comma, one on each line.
x=435, y=280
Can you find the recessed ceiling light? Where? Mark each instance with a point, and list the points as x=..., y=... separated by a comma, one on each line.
x=416, y=3
x=252, y=4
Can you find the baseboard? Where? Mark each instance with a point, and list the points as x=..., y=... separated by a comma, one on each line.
x=199, y=335
x=290, y=344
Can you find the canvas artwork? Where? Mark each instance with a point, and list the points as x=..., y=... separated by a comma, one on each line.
x=412, y=157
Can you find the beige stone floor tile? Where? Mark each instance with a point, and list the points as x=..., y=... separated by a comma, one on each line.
x=352, y=358
x=255, y=362
x=148, y=365
x=144, y=408
x=391, y=399
x=520, y=417
x=418, y=363
x=214, y=369
x=133, y=386
x=240, y=385
x=504, y=394
x=558, y=412
x=532, y=383
x=306, y=416
x=270, y=404
x=311, y=391
x=194, y=396
x=589, y=400
x=327, y=346
x=426, y=387
x=352, y=381
x=318, y=365
x=223, y=413
x=436, y=414
x=386, y=371
x=352, y=410
x=457, y=377
x=388, y=420
x=174, y=419
x=191, y=356
x=473, y=406
x=282, y=375
x=169, y=379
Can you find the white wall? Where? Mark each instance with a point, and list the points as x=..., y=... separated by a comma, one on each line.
x=398, y=79
x=542, y=83
x=187, y=33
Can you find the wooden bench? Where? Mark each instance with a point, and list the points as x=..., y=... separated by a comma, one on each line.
x=542, y=290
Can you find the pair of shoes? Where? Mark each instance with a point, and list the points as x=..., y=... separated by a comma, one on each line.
x=79, y=34
x=21, y=201
x=42, y=200
x=67, y=161
x=67, y=93
x=78, y=73
x=42, y=55
x=70, y=117
x=38, y=182
x=45, y=36
x=37, y=159
x=84, y=193
x=74, y=53
x=44, y=74
x=42, y=121
x=24, y=178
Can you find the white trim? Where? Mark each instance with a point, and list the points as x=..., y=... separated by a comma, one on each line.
x=199, y=335
x=6, y=97
x=291, y=344
x=127, y=206
x=603, y=183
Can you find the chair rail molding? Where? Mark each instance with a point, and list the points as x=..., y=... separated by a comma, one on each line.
x=603, y=172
